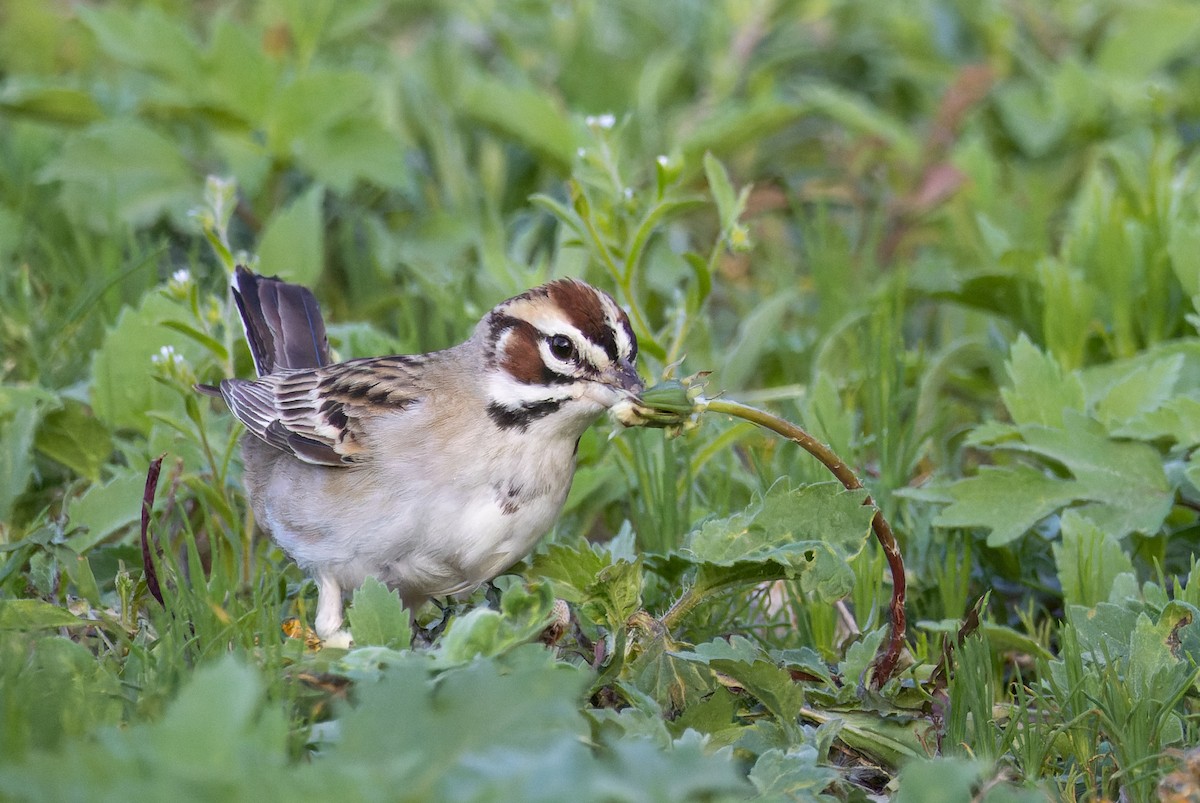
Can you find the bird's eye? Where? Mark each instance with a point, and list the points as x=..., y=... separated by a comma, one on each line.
x=561, y=347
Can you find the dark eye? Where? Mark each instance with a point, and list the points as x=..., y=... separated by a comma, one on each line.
x=561, y=347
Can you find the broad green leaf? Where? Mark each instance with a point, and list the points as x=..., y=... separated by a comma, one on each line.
x=1007, y=501
x=616, y=593
x=1040, y=392
x=1183, y=246
x=572, y=569
x=21, y=409
x=1124, y=481
x=34, y=614
x=523, y=113
x=147, y=38
x=808, y=532
x=1088, y=561
x=123, y=391
x=755, y=672
x=377, y=617
x=674, y=683
x=792, y=775
x=1177, y=419
x=522, y=617
x=525, y=704
x=122, y=172
x=1143, y=391
x=1104, y=629
x=74, y=437
x=315, y=102
x=355, y=150
x=1140, y=40
x=50, y=104
x=293, y=242
x=105, y=508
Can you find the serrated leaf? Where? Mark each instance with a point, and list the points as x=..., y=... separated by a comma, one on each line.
x=572, y=569
x=293, y=242
x=122, y=172
x=522, y=617
x=1039, y=392
x=1140, y=392
x=122, y=392
x=72, y=436
x=1088, y=561
x=1007, y=501
x=1124, y=481
x=809, y=532
x=791, y=775
x=674, y=683
x=377, y=617
x=34, y=614
x=105, y=508
x=523, y=113
x=616, y=593
x=754, y=671
x=21, y=410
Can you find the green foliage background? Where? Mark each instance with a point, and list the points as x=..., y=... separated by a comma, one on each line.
x=957, y=240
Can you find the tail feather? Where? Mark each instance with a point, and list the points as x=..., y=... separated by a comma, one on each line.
x=283, y=323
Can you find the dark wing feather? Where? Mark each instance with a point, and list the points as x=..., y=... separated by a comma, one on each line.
x=283, y=323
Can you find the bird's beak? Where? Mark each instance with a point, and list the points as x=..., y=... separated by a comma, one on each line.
x=623, y=375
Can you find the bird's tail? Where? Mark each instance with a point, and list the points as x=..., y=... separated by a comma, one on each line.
x=282, y=321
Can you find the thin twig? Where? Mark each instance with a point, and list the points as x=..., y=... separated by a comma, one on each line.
x=889, y=656
x=147, y=505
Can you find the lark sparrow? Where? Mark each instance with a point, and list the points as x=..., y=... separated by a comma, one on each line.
x=432, y=472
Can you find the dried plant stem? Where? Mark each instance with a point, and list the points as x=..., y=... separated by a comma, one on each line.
x=889, y=656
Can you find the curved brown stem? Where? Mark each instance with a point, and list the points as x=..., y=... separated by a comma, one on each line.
x=889, y=656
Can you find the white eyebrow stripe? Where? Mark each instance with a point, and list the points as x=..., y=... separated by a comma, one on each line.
x=613, y=317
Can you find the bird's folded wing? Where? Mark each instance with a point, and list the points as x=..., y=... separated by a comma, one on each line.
x=318, y=415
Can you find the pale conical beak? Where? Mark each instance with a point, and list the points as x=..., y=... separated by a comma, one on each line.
x=623, y=375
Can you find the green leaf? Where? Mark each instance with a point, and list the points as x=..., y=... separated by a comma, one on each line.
x=808, y=532
x=122, y=391
x=105, y=508
x=616, y=593
x=122, y=172
x=1124, y=481
x=50, y=104
x=527, y=115
x=523, y=616
x=34, y=614
x=674, y=683
x=755, y=672
x=1142, y=391
x=571, y=569
x=72, y=436
x=791, y=775
x=293, y=242
x=528, y=703
x=1007, y=501
x=21, y=408
x=1089, y=560
x=377, y=617
x=1040, y=393
x=1140, y=41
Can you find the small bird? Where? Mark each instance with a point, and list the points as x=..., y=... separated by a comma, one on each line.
x=431, y=472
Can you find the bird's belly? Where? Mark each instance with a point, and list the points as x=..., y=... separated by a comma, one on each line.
x=422, y=542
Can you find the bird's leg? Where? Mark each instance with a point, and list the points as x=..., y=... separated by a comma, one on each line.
x=329, y=613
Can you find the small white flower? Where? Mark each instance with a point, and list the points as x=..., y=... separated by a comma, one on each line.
x=663, y=161
x=601, y=121
x=581, y=153
x=181, y=276
x=166, y=356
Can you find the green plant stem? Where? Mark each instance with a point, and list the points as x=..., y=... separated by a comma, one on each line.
x=885, y=663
